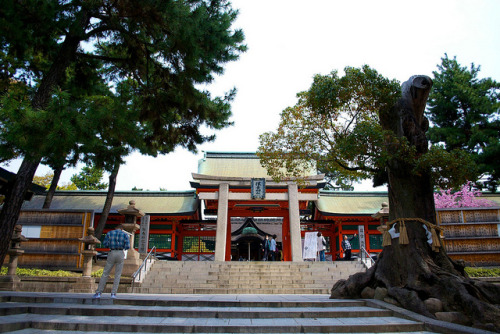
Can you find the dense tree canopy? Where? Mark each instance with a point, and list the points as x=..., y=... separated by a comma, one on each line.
x=335, y=126
x=169, y=49
x=465, y=114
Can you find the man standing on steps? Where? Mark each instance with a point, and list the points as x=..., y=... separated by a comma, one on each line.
x=321, y=246
x=346, y=247
x=267, y=247
x=118, y=242
x=273, y=248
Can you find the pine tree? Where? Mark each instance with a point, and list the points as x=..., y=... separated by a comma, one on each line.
x=169, y=48
x=464, y=113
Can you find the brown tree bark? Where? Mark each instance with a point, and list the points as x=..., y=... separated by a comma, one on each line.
x=414, y=272
x=109, y=200
x=53, y=186
x=15, y=196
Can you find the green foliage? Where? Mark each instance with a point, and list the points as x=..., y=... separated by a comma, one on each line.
x=67, y=186
x=89, y=178
x=32, y=272
x=335, y=127
x=41, y=272
x=46, y=180
x=482, y=272
x=97, y=273
x=464, y=113
x=449, y=169
x=55, y=96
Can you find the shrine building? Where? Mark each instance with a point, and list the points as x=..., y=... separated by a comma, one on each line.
x=232, y=206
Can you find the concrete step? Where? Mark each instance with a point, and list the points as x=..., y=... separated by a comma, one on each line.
x=78, y=313
x=195, y=290
x=195, y=312
x=245, y=277
x=214, y=325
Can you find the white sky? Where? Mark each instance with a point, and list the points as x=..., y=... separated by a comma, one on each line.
x=289, y=41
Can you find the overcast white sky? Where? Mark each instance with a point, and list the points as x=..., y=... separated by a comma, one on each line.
x=289, y=41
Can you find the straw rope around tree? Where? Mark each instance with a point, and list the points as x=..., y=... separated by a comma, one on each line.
x=403, y=234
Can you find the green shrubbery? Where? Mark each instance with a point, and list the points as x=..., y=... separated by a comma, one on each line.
x=482, y=272
x=47, y=273
x=97, y=273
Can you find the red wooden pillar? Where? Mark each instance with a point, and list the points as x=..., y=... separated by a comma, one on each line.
x=181, y=243
x=286, y=244
x=228, y=239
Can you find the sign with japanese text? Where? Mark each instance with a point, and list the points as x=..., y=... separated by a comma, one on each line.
x=258, y=188
x=362, y=241
x=144, y=234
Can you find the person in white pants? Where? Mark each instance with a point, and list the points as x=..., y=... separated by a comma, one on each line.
x=118, y=243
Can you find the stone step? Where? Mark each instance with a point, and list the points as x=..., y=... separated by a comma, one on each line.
x=260, y=266
x=201, y=290
x=51, y=331
x=194, y=312
x=32, y=313
x=245, y=277
x=213, y=325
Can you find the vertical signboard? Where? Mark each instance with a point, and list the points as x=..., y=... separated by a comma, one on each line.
x=144, y=234
x=362, y=241
x=258, y=188
x=310, y=246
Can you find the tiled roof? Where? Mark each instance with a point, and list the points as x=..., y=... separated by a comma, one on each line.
x=493, y=197
x=162, y=202
x=233, y=164
x=350, y=203
x=361, y=203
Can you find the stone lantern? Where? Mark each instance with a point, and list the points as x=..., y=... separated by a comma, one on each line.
x=132, y=262
x=86, y=283
x=383, y=216
x=11, y=281
x=88, y=252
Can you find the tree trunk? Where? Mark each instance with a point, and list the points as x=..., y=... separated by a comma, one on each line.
x=414, y=272
x=15, y=196
x=109, y=200
x=53, y=186
x=13, y=201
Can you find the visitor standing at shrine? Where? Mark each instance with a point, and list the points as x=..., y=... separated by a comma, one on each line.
x=321, y=247
x=273, y=248
x=118, y=242
x=267, y=247
x=346, y=247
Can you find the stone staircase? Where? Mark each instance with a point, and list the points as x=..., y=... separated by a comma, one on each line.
x=25, y=313
x=185, y=277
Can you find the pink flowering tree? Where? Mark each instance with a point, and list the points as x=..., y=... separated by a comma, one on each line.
x=466, y=197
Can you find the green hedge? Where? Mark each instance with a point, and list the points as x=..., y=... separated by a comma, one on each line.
x=483, y=272
x=47, y=273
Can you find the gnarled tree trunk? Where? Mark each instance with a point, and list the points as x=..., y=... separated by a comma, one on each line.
x=413, y=272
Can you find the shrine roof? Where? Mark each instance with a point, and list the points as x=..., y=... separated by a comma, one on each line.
x=331, y=203
x=493, y=197
x=7, y=177
x=150, y=202
x=234, y=164
x=350, y=202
